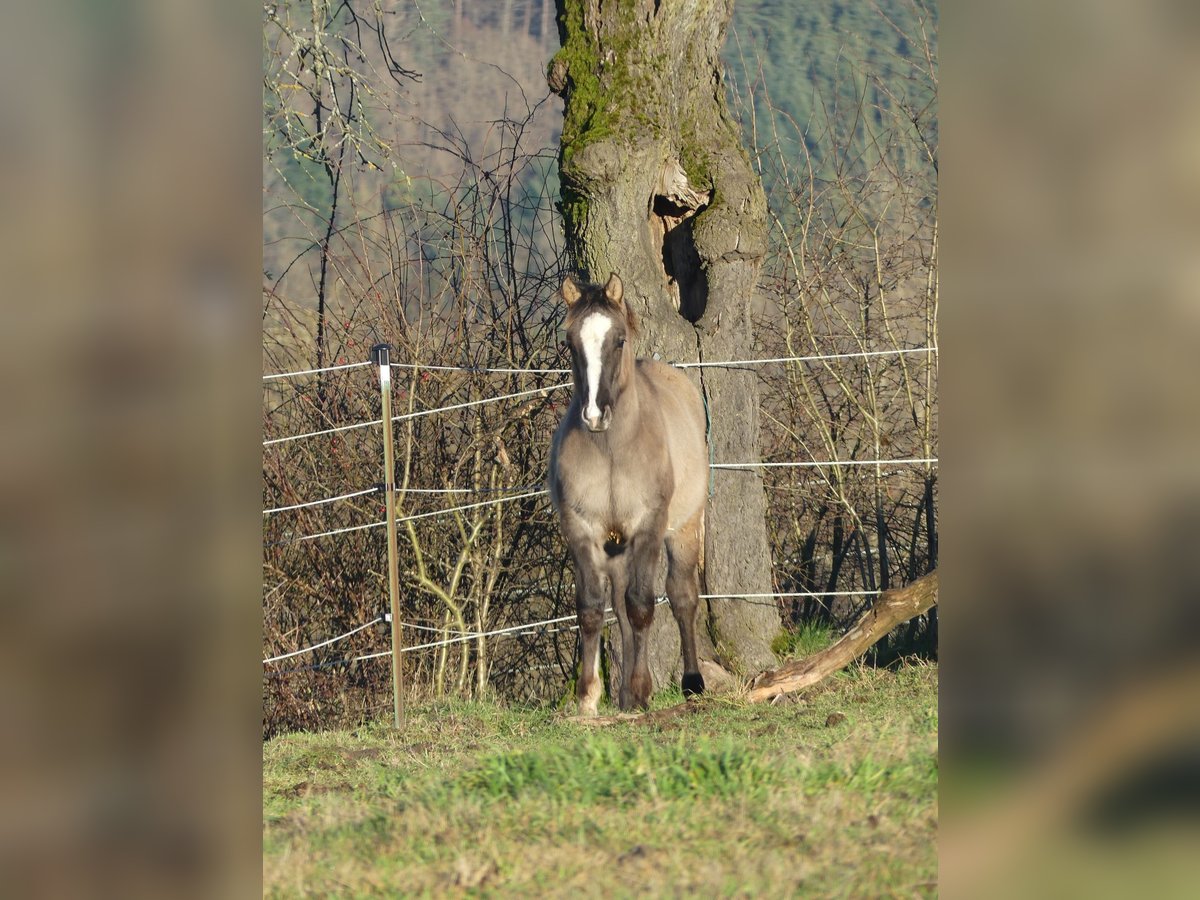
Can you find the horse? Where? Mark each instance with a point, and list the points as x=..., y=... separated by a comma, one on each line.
x=628, y=477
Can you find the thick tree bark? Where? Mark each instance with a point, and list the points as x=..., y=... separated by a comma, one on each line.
x=657, y=187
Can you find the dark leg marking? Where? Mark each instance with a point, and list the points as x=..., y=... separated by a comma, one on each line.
x=683, y=590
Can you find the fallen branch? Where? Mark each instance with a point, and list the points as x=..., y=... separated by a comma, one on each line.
x=890, y=609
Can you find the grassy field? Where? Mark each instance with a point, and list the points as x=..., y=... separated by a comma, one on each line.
x=833, y=794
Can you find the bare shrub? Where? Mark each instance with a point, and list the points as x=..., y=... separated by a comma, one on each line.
x=852, y=269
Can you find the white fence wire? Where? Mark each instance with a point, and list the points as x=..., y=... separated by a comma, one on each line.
x=822, y=357
x=737, y=363
x=453, y=509
x=362, y=493
x=332, y=640
x=515, y=631
x=412, y=518
x=534, y=627
x=817, y=464
x=416, y=415
x=276, y=375
x=338, y=429
x=481, y=370
x=399, y=490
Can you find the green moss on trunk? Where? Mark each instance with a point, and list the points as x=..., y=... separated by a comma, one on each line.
x=586, y=109
x=622, y=83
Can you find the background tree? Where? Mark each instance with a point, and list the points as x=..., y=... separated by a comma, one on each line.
x=657, y=187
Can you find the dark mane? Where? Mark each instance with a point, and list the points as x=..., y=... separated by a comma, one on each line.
x=594, y=299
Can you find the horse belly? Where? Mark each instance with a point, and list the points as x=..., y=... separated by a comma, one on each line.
x=690, y=470
x=689, y=497
x=684, y=440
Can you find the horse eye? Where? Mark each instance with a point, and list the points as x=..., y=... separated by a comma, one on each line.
x=620, y=343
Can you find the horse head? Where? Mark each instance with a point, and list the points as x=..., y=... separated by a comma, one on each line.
x=599, y=325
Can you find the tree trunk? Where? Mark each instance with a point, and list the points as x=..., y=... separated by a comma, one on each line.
x=657, y=187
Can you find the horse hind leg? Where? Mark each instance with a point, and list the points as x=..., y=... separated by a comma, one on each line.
x=683, y=590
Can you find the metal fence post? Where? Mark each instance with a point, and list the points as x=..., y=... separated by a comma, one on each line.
x=381, y=356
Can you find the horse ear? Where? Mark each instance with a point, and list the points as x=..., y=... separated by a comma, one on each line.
x=615, y=290
x=570, y=291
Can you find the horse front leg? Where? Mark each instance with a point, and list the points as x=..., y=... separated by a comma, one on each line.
x=591, y=598
x=683, y=590
x=645, y=552
x=619, y=580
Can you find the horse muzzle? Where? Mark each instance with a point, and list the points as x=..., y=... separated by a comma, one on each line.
x=600, y=422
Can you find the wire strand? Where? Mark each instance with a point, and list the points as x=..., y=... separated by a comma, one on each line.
x=821, y=357
x=864, y=354
x=480, y=370
x=683, y=365
x=414, y=415
x=736, y=466
x=512, y=630
x=321, y=534
x=515, y=629
x=275, y=375
x=499, y=490
x=430, y=628
x=463, y=637
x=438, y=512
x=819, y=464
x=790, y=594
x=412, y=518
x=429, y=412
x=267, y=512
x=332, y=640
x=308, y=434
x=399, y=490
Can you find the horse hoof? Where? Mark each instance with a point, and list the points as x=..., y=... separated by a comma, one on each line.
x=693, y=684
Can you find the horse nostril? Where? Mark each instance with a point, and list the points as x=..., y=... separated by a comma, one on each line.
x=597, y=422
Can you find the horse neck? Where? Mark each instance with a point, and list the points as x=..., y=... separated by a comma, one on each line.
x=627, y=413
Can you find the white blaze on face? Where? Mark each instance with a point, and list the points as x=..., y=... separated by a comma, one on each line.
x=591, y=336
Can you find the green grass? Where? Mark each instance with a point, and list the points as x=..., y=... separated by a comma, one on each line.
x=803, y=640
x=834, y=794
